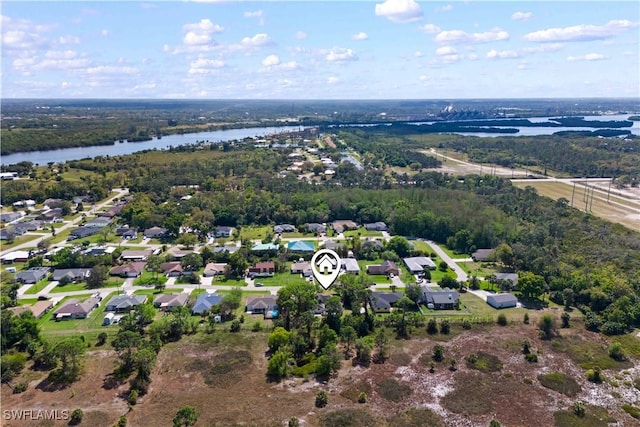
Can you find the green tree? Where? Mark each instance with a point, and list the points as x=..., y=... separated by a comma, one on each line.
x=566, y=318
x=381, y=344
x=191, y=262
x=399, y=245
x=322, y=399
x=188, y=240
x=294, y=299
x=11, y=365
x=76, y=417
x=186, y=416
x=413, y=291
x=153, y=265
x=348, y=337
x=327, y=337
x=531, y=285
x=547, y=326
x=125, y=344
x=237, y=265
x=333, y=313
x=279, y=365
x=98, y=277
x=363, y=352
x=438, y=353
x=70, y=352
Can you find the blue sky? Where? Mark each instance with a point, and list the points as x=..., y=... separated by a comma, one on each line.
x=394, y=49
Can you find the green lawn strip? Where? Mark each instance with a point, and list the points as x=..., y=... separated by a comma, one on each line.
x=71, y=287
x=297, y=235
x=149, y=278
x=27, y=301
x=587, y=354
x=61, y=236
x=478, y=307
x=281, y=279
x=20, y=240
x=35, y=288
x=453, y=254
x=228, y=282
x=362, y=232
x=254, y=233
x=480, y=269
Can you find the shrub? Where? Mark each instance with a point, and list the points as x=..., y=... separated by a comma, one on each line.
x=394, y=391
x=20, y=388
x=363, y=352
x=235, y=326
x=561, y=383
x=257, y=326
x=502, y=319
x=566, y=318
x=631, y=410
x=122, y=421
x=102, y=338
x=445, y=328
x=526, y=319
x=432, y=327
x=483, y=362
x=579, y=409
x=293, y=422
x=526, y=347
x=322, y=399
x=362, y=398
x=594, y=375
x=133, y=397
x=76, y=417
x=494, y=423
x=616, y=352
x=466, y=324
x=438, y=353
x=613, y=328
x=531, y=358
x=547, y=326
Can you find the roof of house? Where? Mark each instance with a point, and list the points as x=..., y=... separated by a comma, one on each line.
x=226, y=248
x=81, y=232
x=508, y=276
x=171, y=300
x=34, y=274
x=283, y=228
x=265, y=265
x=502, y=298
x=315, y=226
x=418, y=263
x=349, y=264
x=267, y=302
x=376, y=226
x=384, y=300
x=205, y=301
x=265, y=247
x=155, y=231
x=387, y=266
x=301, y=246
x=330, y=244
x=71, y=273
x=125, y=301
x=301, y=266
x=482, y=254
x=171, y=267
x=74, y=306
x=177, y=252
x=132, y=267
x=215, y=267
x=224, y=229
x=136, y=253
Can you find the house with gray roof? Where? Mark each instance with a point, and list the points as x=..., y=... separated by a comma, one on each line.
x=74, y=309
x=215, y=269
x=417, y=264
x=32, y=275
x=440, y=299
x=132, y=269
x=205, y=302
x=509, y=279
x=72, y=274
x=223, y=231
x=483, y=255
x=386, y=268
x=301, y=267
x=123, y=303
x=342, y=225
x=284, y=228
x=350, y=265
x=167, y=302
x=376, y=226
x=315, y=227
x=383, y=302
x=265, y=305
x=502, y=300
x=155, y=232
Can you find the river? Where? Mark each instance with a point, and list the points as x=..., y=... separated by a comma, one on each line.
x=65, y=154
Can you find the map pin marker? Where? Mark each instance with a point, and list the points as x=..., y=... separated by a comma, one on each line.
x=325, y=265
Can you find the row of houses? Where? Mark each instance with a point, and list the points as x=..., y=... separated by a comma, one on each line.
x=339, y=226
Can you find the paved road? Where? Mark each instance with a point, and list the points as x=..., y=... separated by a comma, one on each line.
x=460, y=273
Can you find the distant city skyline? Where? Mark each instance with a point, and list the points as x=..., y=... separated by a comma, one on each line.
x=393, y=49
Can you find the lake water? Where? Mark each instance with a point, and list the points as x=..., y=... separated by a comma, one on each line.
x=76, y=153
x=65, y=154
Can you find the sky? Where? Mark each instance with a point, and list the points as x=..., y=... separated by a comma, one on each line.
x=393, y=49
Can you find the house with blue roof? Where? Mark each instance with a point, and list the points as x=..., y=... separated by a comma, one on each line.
x=265, y=247
x=300, y=246
x=205, y=302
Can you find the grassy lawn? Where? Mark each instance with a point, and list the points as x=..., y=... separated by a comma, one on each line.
x=422, y=246
x=282, y=279
x=27, y=301
x=61, y=237
x=91, y=325
x=20, y=240
x=152, y=293
x=295, y=235
x=480, y=269
x=71, y=287
x=147, y=279
x=362, y=232
x=254, y=233
x=228, y=282
x=453, y=254
x=478, y=307
x=34, y=289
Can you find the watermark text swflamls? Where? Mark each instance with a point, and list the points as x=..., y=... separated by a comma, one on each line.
x=35, y=414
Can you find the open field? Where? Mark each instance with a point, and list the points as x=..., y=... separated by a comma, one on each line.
x=625, y=211
x=229, y=369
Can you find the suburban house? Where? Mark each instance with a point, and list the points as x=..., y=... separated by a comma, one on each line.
x=52, y=215
x=74, y=309
x=315, y=227
x=226, y=248
x=417, y=264
x=16, y=256
x=350, y=265
x=98, y=222
x=502, y=300
x=262, y=269
x=72, y=274
x=440, y=299
x=265, y=305
x=284, y=228
x=10, y=233
x=301, y=267
x=330, y=244
x=340, y=226
x=82, y=232
x=510, y=279
x=123, y=303
x=114, y=210
x=373, y=244
x=32, y=275
x=386, y=268
x=482, y=255
x=177, y=253
x=300, y=246
x=171, y=269
x=136, y=255
x=167, y=302
x=215, y=269
x=223, y=231
x=132, y=269
x=382, y=302
x=263, y=247
x=38, y=309
x=127, y=233
x=376, y=226
x=10, y=216
x=205, y=302
x=155, y=232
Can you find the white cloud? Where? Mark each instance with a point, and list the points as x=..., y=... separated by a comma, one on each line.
x=521, y=16
x=260, y=39
x=450, y=59
x=399, y=11
x=199, y=33
x=446, y=50
x=472, y=57
x=423, y=78
x=418, y=54
x=459, y=36
x=579, y=33
x=69, y=40
x=332, y=80
x=587, y=57
x=22, y=35
x=105, y=32
x=430, y=29
x=111, y=70
x=259, y=14
x=301, y=35
x=205, y=66
x=360, y=36
x=447, y=8
x=547, y=47
x=271, y=60
x=503, y=54
x=340, y=54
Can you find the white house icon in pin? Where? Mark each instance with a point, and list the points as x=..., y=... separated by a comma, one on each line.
x=325, y=265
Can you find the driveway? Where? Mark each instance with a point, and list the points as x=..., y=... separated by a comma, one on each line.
x=461, y=275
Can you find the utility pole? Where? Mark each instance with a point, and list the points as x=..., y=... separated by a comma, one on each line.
x=573, y=192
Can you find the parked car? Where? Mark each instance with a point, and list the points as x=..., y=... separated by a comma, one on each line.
x=259, y=284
